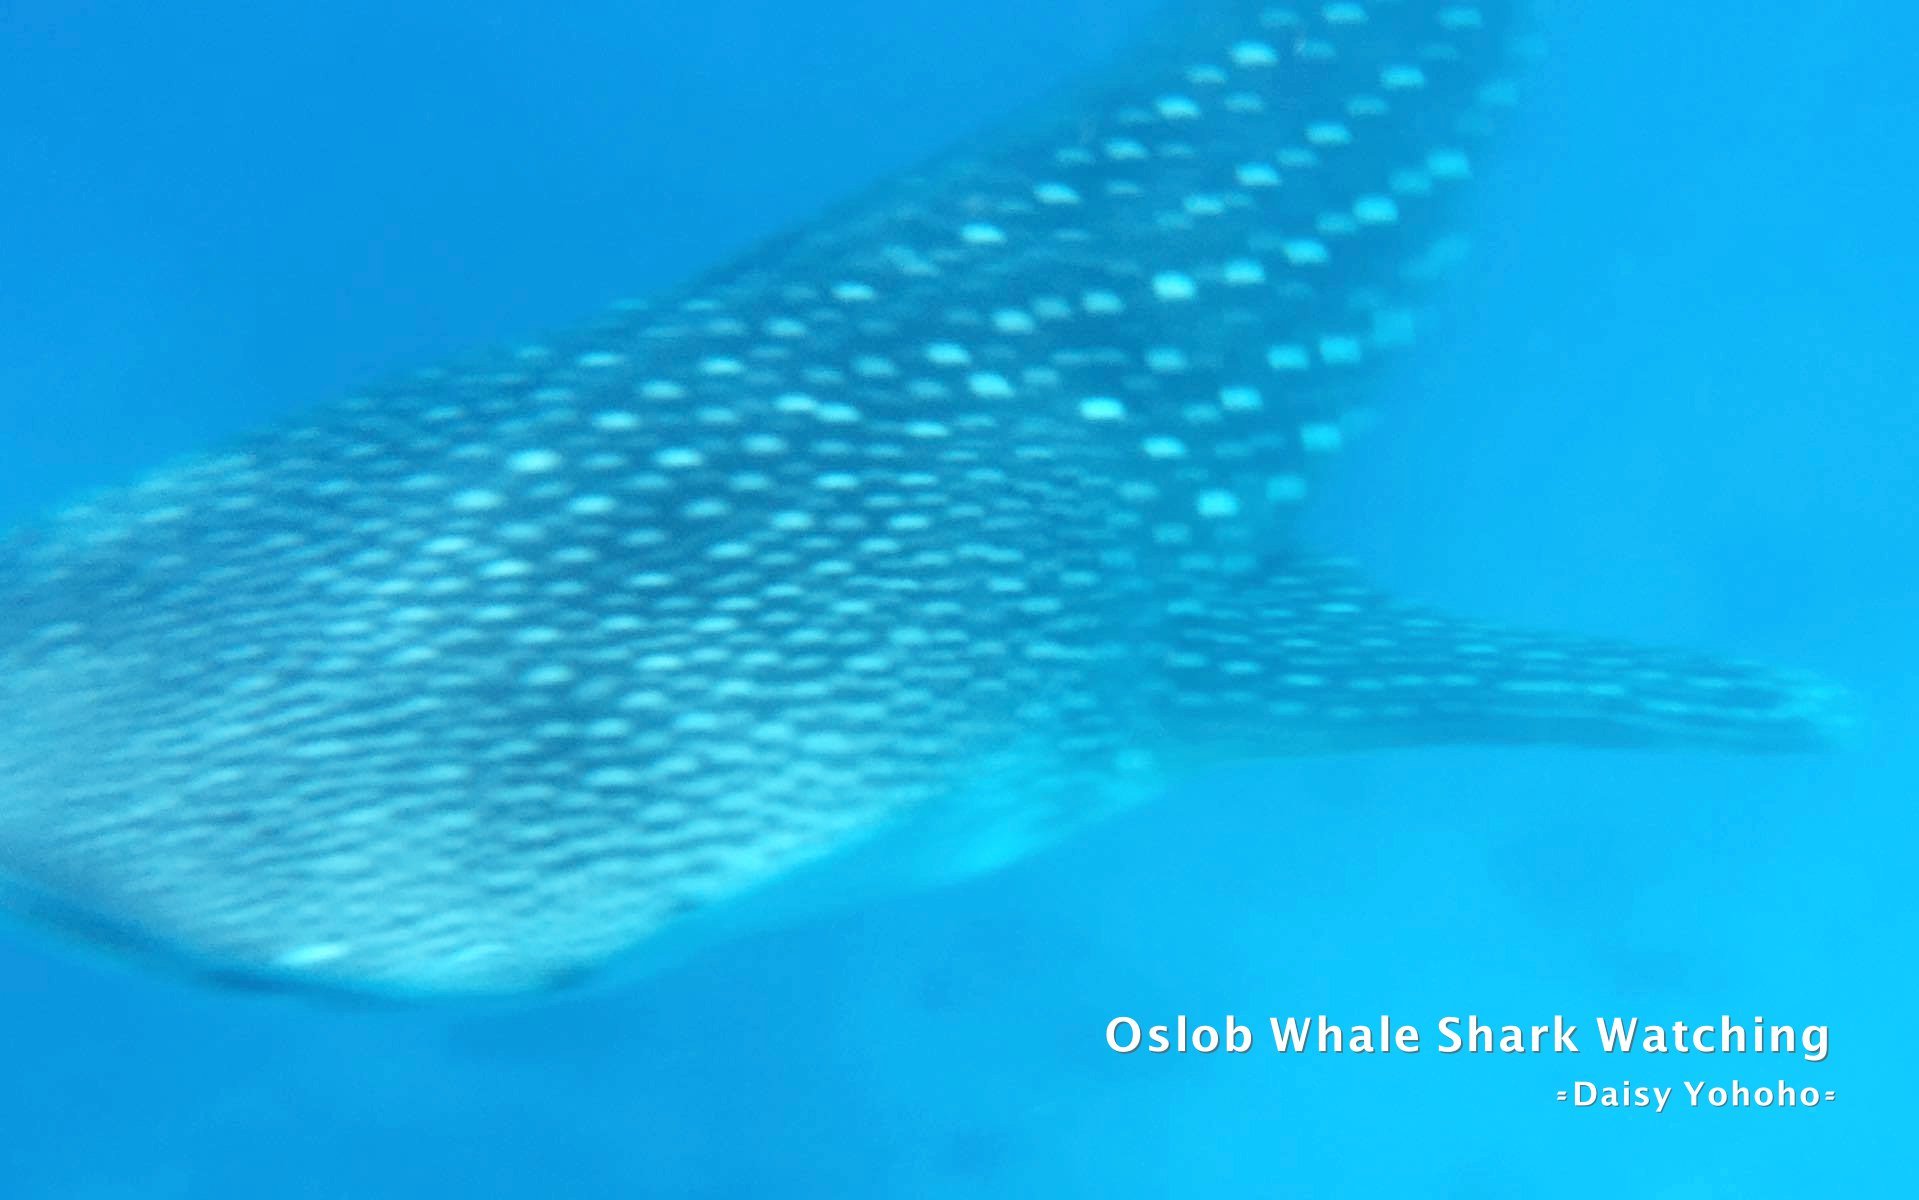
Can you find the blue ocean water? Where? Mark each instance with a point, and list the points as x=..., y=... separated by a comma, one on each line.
x=1671, y=402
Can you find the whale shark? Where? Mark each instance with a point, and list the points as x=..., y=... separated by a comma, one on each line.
x=913, y=540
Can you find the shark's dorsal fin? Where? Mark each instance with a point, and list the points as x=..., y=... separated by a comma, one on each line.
x=1205, y=253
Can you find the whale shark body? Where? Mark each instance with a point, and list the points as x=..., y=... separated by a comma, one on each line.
x=916, y=539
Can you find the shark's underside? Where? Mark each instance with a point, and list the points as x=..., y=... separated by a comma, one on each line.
x=917, y=538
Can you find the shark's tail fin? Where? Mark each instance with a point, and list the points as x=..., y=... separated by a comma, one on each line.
x=1312, y=658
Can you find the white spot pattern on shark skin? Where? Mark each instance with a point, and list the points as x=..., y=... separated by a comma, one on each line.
x=922, y=536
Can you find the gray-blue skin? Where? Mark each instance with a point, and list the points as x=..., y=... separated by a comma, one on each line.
x=921, y=537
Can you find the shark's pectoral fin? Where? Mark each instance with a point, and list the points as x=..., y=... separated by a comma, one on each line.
x=1307, y=656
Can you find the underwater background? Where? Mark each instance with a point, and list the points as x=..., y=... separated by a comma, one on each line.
x=1672, y=401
